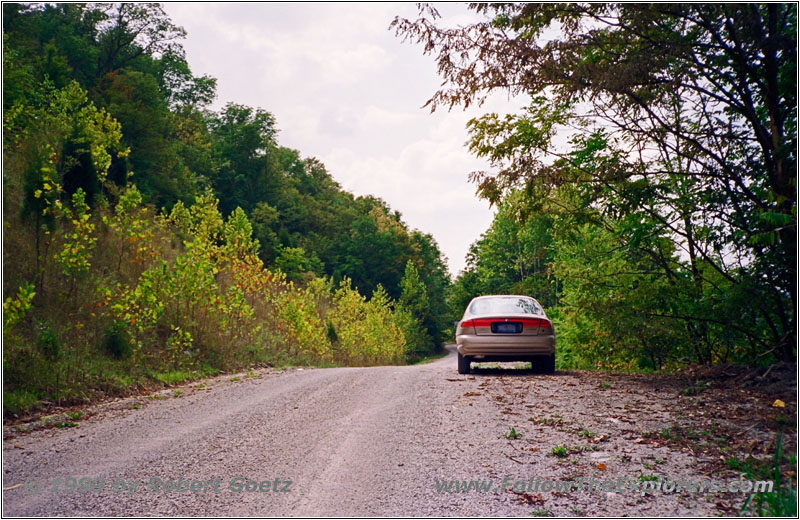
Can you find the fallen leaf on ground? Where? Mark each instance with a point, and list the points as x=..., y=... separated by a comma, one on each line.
x=778, y=404
x=470, y=394
x=601, y=466
x=527, y=498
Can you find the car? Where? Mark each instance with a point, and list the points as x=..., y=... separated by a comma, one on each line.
x=505, y=327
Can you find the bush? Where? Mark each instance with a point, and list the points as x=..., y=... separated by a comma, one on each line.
x=47, y=342
x=117, y=341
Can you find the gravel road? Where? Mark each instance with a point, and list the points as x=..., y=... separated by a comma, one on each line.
x=359, y=442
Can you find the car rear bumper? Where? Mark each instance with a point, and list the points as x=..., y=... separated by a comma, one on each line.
x=506, y=345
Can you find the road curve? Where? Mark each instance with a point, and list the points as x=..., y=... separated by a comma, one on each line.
x=352, y=442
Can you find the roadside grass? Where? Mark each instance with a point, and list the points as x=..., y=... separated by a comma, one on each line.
x=19, y=402
x=430, y=359
x=174, y=377
x=781, y=501
x=780, y=468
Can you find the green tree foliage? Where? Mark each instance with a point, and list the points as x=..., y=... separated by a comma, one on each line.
x=681, y=132
x=146, y=234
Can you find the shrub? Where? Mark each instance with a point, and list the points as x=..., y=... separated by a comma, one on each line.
x=117, y=340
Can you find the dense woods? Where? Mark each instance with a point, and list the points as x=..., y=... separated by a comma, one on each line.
x=648, y=192
x=147, y=237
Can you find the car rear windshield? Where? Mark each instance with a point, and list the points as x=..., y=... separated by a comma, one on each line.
x=505, y=305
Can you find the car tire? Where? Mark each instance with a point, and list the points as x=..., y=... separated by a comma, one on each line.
x=463, y=364
x=549, y=364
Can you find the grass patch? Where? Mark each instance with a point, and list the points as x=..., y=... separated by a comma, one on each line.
x=172, y=377
x=66, y=424
x=19, y=401
x=77, y=415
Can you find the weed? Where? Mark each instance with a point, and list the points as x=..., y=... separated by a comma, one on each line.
x=75, y=415
x=541, y=512
x=782, y=499
x=606, y=384
x=177, y=393
x=669, y=433
x=556, y=420
x=512, y=434
x=234, y=380
x=136, y=406
x=577, y=511
x=66, y=424
x=559, y=451
x=587, y=433
x=698, y=388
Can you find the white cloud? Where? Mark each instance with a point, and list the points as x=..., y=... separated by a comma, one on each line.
x=344, y=89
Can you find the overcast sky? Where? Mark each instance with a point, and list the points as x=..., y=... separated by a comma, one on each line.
x=346, y=90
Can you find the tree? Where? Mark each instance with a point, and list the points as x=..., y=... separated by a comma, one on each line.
x=680, y=114
x=244, y=147
x=414, y=295
x=131, y=31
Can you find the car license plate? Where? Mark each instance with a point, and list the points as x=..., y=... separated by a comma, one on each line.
x=506, y=328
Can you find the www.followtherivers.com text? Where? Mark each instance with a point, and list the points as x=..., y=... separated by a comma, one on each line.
x=614, y=485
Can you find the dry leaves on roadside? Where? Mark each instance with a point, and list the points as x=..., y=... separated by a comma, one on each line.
x=527, y=498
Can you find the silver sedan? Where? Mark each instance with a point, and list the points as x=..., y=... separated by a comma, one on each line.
x=505, y=328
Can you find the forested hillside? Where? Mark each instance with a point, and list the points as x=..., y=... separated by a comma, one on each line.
x=148, y=237
x=647, y=195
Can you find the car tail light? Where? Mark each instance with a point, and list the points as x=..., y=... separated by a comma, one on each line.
x=545, y=324
x=477, y=323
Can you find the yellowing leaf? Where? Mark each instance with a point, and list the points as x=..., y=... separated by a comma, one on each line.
x=601, y=466
x=778, y=404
